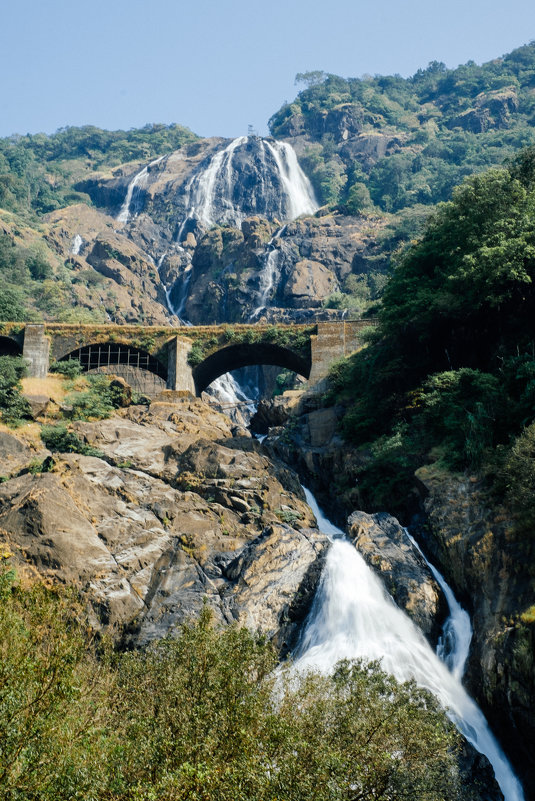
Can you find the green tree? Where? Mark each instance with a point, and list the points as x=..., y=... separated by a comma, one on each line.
x=50, y=697
x=14, y=408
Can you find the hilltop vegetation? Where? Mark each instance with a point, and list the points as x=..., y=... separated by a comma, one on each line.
x=392, y=143
x=389, y=143
x=383, y=148
x=38, y=172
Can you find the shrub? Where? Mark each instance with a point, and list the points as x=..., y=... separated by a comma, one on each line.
x=516, y=477
x=70, y=368
x=462, y=409
x=59, y=438
x=98, y=401
x=14, y=408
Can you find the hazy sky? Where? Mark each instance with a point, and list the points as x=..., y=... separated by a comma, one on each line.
x=218, y=65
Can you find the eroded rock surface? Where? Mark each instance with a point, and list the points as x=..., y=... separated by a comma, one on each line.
x=176, y=514
x=474, y=544
x=384, y=545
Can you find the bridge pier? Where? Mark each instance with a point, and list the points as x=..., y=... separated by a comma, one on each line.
x=333, y=341
x=179, y=375
x=36, y=350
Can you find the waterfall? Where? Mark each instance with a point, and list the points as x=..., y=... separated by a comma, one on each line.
x=215, y=178
x=354, y=617
x=454, y=644
x=268, y=274
x=138, y=182
x=276, y=187
x=296, y=185
x=76, y=244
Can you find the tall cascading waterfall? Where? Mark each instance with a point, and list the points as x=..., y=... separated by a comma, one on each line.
x=132, y=205
x=353, y=617
x=277, y=189
x=268, y=275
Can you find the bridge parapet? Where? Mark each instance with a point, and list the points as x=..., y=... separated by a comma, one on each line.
x=188, y=358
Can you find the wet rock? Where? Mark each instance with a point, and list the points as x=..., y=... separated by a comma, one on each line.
x=275, y=580
x=474, y=544
x=269, y=413
x=384, y=545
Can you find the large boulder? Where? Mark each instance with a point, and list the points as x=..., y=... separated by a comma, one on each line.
x=386, y=548
x=168, y=521
x=309, y=284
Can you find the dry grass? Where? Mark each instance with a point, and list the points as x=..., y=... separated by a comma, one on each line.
x=53, y=386
x=29, y=433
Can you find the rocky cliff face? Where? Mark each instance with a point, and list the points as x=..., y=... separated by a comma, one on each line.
x=475, y=545
x=471, y=541
x=218, y=231
x=175, y=513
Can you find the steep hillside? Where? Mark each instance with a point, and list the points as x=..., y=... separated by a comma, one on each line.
x=394, y=143
x=380, y=152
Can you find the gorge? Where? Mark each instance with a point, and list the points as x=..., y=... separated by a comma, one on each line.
x=165, y=506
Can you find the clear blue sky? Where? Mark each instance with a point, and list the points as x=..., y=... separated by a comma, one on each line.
x=218, y=65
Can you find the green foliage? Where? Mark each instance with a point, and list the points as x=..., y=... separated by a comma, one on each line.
x=286, y=380
x=96, y=402
x=196, y=354
x=14, y=408
x=516, y=479
x=28, y=283
x=37, y=172
x=70, y=369
x=12, y=306
x=50, y=693
x=12, y=369
x=461, y=409
x=58, y=438
x=196, y=717
x=450, y=369
x=420, y=136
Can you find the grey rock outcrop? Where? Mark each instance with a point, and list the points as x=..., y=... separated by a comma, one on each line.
x=177, y=514
x=387, y=550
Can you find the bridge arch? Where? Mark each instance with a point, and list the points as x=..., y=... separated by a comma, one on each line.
x=9, y=347
x=246, y=354
x=144, y=372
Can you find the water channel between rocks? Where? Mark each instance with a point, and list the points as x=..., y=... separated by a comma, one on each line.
x=353, y=617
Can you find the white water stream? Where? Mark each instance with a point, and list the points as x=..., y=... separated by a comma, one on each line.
x=201, y=189
x=209, y=194
x=295, y=183
x=354, y=617
x=76, y=244
x=454, y=644
x=139, y=181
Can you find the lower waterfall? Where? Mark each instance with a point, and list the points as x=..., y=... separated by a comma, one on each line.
x=353, y=617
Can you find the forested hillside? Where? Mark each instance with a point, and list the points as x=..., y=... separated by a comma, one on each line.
x=380, y=150
x=38, y=172
x=392, y=143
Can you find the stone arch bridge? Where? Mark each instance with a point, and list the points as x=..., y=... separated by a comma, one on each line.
x=188, y=358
